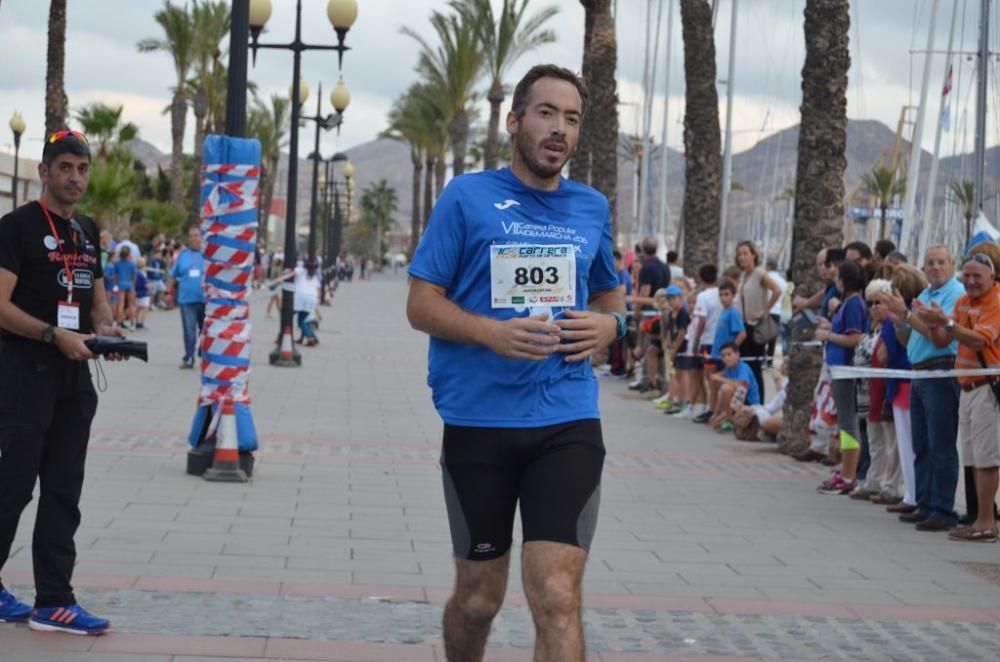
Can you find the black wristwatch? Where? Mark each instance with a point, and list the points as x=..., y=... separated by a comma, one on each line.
x=49, y=334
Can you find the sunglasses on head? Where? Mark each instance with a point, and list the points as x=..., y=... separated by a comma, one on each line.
x=65, y=133
x=981, y=259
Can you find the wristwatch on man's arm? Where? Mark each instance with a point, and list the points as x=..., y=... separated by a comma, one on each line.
x=49, y=334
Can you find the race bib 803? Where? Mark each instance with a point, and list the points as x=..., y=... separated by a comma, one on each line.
x=528, y=275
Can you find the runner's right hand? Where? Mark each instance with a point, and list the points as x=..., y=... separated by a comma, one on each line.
x=72, y=345
x=526, y=338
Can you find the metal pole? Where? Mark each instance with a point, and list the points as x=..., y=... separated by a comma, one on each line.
x=644, y=220
x=727, y=159
x=982, y=92
x=315, y=178
x=236, y=91
x=913, y=173
x=927, y=218
x=338, y=222
x=665, y=160
x=287, y=288
x=17, y=152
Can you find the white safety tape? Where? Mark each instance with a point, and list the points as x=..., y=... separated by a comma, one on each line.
x=855, y=372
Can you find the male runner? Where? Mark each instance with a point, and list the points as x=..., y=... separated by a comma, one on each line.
x=515, y=282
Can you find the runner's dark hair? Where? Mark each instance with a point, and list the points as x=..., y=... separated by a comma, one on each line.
x=519, y=103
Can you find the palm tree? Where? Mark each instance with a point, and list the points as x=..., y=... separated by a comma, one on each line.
x=115, y=179
x=404, y=125
x=505, y=37
x=883, y=184
x=209, y=26
x=964, y=192
x=104, y=127
x=269, y=124
x=595, y=161
x=178, y=41
x=702, y=137
x=819, y=188
x=55, y=92
x=453, y=68
x=378, y=203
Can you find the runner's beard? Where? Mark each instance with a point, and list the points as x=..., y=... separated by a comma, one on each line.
x=537, y=167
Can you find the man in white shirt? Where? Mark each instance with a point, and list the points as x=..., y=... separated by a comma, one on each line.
x=707, y=309
x=778, y=311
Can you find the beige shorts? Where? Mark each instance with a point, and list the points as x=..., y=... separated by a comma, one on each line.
x=979, y=428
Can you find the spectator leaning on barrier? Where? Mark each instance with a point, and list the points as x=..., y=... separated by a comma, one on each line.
x=758, y=293
x=907, y=283
x=707, y=309
x=882, y=482
x=934, y=401
x=975, y=324
x=992, y=251
x=841, y=336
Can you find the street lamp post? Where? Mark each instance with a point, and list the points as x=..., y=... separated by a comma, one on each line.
x=18, y=126
x=339, y=98
x=342, y=14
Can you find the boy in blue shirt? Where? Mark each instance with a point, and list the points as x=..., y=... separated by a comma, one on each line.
x=735, y=380
x=730, y=329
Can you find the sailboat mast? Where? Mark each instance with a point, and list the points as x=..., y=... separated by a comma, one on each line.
x=927, y=218
x=983, y=90
x=665, y=154
x=727, y=158
x=913, y=172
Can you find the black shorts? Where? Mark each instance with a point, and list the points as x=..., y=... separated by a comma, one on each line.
x=553, y=471
x=689, y=362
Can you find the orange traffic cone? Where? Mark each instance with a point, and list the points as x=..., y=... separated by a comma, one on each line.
x=226, y=466
x=287, y=351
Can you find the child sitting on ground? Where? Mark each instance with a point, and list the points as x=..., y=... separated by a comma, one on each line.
x=736, y=385
x=730, y=329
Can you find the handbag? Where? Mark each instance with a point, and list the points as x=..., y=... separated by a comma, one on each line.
x=763, y=330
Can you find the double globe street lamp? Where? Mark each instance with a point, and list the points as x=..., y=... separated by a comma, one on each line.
x=18, y=126
x=342, y=14
x=333, y=223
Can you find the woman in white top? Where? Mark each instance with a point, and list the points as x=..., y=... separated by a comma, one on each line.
x=307, y=286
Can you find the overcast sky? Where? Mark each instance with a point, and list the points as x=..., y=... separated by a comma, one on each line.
x=102, y=63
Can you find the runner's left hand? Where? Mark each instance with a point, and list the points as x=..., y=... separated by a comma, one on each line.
x=588, y=332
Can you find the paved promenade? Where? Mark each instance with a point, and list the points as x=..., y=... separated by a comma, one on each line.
x=707, y=548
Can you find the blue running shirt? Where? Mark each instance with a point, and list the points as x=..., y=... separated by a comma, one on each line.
x=472, y=385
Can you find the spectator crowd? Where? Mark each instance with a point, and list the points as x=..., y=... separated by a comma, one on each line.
x=702, y=350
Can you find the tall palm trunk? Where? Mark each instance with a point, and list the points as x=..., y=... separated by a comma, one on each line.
x=55, y=93
x=819, y=188
x=418, y=165
x=702, y=139
x=601, y=118
x=429, y=163
x=440, y=172
x=200, y=126
x=579, y=167
x=495, y=97
x=884, y=221
x=458, y=134
x=178, y=117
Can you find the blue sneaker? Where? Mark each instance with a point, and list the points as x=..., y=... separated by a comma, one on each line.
x=12, y=610
x=73, y=619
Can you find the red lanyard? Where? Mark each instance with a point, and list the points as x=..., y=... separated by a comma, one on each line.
x=65, y=259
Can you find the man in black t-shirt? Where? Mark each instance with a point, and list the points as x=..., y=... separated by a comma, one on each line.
x=51, y=301
x=653, y=277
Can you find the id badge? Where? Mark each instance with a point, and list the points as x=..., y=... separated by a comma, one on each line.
x=532, y=275
x=68, y=316
x=194, y=273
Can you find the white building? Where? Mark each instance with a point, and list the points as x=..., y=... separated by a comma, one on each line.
x=28, y=184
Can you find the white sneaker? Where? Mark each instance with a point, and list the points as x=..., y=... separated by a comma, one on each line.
x=660, y=400
x=687, y=412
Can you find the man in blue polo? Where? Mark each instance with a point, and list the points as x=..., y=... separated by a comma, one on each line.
x=515, y=283
x=933, y=402
x=188, y=274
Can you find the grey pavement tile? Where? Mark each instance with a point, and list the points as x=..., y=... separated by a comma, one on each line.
x=219, y=560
